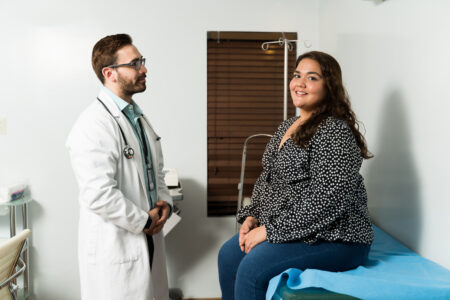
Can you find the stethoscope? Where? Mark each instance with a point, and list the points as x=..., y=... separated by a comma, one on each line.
x=128, y=152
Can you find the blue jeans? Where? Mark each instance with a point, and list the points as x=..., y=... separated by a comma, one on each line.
x=246, y=276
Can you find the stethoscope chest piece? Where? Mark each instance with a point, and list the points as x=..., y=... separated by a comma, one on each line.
x=128, y=152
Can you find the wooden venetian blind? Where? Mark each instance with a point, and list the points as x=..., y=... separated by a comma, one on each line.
x=245, y=97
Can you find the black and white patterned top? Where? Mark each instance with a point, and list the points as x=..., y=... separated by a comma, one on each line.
x=315, y=193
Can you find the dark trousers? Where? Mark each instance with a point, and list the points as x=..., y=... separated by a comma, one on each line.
x=151, y=249
x=246, y=276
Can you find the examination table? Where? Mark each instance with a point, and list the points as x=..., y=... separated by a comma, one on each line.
x=391, y=272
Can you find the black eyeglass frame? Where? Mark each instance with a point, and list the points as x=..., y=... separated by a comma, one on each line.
x=137, y=64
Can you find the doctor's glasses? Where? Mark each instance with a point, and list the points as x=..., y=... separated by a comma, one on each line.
x=136, y=64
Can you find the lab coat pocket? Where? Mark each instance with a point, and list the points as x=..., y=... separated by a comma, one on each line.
x=119, y=245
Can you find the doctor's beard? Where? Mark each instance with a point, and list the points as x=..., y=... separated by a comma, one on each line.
x=130, y=86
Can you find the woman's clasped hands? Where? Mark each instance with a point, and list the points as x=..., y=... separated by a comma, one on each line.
x=251, y=234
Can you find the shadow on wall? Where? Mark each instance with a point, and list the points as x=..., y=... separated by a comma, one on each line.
x=392, y=181
x=196, y=236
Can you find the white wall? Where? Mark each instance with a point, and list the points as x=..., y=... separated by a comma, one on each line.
x=46, y=81
x=395, y=60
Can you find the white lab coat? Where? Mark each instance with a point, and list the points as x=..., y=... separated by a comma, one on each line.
x=112, y=248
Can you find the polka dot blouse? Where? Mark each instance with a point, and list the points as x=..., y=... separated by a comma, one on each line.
x=315, y=193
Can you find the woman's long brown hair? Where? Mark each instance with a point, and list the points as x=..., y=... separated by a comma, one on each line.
x=336, y=103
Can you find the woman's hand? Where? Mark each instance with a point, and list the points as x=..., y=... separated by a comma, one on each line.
x=254, y=237
x=247, y=226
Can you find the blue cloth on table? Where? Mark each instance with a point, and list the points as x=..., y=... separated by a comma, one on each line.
x=391, y=272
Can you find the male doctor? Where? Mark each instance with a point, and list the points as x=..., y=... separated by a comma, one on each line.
x=124, y=202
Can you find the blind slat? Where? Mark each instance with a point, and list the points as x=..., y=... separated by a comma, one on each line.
x=245, y=97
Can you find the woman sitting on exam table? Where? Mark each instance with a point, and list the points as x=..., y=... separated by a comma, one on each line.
x=309, y=205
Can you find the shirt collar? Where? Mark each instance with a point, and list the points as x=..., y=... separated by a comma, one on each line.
x=122, y=104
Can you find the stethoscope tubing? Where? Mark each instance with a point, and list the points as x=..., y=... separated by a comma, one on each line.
x=128, y=152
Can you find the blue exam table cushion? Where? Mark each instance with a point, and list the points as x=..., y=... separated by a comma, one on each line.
x=391, y=272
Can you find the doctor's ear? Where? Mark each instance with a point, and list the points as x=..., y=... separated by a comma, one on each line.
x=109, y=74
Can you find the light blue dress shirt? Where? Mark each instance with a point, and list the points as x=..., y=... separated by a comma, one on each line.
x=132, y=111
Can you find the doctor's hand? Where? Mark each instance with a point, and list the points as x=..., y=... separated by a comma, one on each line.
x=247, y=226
x=164, y=211
x=254, y=237
x=154, y=215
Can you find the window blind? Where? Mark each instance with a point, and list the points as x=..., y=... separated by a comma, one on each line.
x=245, y=97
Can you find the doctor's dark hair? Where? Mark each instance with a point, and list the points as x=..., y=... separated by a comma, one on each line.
x=336, y=103
x=105, y=50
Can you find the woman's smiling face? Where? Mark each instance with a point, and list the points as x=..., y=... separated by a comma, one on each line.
x=307, y=86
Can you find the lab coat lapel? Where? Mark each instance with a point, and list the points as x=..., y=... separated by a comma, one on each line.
x=130, y=136
x=153, y=138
